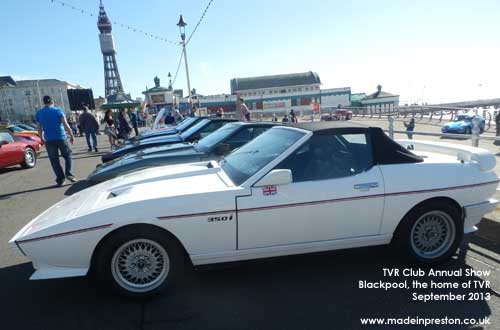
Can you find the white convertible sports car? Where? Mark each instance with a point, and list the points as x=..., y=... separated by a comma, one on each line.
x=294, y=189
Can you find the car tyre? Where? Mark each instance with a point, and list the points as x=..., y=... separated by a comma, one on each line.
x=140, y=263
x=29, y=160
x=430, y=234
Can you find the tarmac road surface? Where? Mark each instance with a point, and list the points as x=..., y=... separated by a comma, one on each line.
x=317, y=291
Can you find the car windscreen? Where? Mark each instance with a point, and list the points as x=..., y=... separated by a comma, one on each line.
x=463, y=118
x=16, y=128
x=253, y=156
x=183, y=125
x=195, y=128
x=210, y=141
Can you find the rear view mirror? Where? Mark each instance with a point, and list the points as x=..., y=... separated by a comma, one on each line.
x=222, y=149
x=275, y=178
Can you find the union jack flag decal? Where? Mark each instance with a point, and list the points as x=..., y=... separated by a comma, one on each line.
x=269, y=190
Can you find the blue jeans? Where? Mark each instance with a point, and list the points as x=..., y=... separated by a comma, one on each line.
x=94, y=139
x=53, y=148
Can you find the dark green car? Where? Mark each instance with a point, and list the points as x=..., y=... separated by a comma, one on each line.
x=219, y=143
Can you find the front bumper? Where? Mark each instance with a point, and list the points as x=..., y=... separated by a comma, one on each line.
x=453, y=130
x=474, y=213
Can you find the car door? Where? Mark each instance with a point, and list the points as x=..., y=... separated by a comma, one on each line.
x=336, y=193
x=10, y=152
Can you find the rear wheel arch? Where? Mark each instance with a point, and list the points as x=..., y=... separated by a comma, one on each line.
x=431, y=232
x=140, y=227
x=434, y=200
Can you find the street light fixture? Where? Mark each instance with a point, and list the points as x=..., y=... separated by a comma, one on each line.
x=182, y=29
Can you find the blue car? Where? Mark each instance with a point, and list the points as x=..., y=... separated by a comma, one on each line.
x=463, y=125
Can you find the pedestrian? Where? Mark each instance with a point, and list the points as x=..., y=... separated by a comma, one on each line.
x=134, y=119
x=497, y=125
x=243, y=110
x=192, y=112
x=293, y=118
x=125, y=125
x=72, y=125
x=90, y=126
x=80, y=131
x=110, y=128
x=285, y=119
x=53, y=123
x=169, y=118
x=275, y=119
x=410, y=127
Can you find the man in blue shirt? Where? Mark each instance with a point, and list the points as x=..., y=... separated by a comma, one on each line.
x=52, y=122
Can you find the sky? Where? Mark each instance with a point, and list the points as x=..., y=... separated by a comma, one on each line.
x=425, y=51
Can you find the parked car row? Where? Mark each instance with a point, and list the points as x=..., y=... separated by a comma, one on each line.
x=233, y=191
x=15, y=150
x=19, y=145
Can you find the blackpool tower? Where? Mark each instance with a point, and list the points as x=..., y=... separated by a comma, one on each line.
x=112, y=81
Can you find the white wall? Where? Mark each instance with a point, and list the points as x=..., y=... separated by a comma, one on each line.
x=23, y=107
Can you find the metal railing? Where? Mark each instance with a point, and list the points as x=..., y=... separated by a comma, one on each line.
x=475, y=137
x=421, y=112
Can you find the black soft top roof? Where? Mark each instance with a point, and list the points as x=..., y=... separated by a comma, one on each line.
x=327, y=125
x=385, y=150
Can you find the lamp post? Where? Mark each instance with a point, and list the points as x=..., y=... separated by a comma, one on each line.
x=169, y=81
x=182, y=28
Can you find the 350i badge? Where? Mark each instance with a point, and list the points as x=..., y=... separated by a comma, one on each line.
x=223, y=218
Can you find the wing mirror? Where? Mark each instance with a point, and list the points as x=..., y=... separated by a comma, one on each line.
x=275, y=178
x=3, y=142
x=222, y=149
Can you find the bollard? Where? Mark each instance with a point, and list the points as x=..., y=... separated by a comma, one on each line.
x=475, y=132
x=391, y=127
x=441, y=116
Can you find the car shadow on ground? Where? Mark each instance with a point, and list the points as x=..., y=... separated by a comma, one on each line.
x=318, y=291
x=10, y=169
x=8, y=195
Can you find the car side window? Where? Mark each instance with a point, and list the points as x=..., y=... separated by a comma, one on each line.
x=330, y=156
x=259, y=130
x=240, y=138
x=213, y=126
x=6, y=137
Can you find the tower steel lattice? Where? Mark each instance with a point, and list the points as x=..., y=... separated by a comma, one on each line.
x=112, y=80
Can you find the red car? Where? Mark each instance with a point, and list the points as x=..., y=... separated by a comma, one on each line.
x=339, y=114
x=29, y=136
x=17, y=151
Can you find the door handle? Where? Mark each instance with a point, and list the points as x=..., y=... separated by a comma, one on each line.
x=366, y=186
